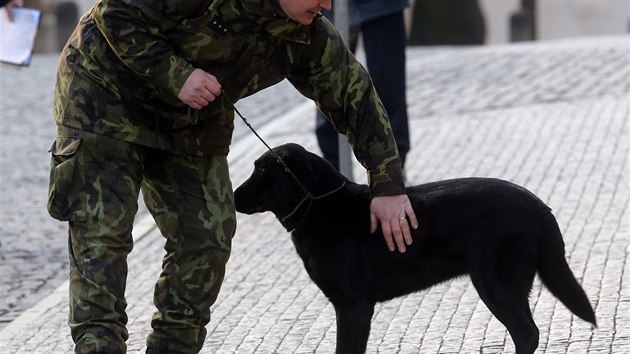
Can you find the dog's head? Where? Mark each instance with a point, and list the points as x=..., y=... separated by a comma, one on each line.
x=272, y=188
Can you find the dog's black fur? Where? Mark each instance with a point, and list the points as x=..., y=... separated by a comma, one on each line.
x=497, y=232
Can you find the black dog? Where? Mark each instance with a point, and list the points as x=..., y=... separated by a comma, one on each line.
x=498, y=232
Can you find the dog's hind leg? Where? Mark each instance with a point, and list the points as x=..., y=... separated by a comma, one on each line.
x=519, y=323
x=505, y=290
x=503, y=271
x=353, y=326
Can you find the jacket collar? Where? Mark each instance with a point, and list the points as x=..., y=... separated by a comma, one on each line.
x=264, y=8
x=270, y=15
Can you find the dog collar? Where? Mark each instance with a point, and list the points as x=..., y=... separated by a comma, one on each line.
x=308, y=197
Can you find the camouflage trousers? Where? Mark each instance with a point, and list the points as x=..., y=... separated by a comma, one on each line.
x=95, y=184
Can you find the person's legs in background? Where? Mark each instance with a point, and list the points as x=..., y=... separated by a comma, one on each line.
x=384, y=40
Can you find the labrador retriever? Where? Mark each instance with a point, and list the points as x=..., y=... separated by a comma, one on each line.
x=498, y=233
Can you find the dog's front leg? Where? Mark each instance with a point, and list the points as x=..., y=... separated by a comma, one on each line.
x=353, y=325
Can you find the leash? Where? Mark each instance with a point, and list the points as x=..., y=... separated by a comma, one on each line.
x=275, y=154
x=309, y=196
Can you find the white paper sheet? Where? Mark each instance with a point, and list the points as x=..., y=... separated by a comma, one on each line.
x=18, y=37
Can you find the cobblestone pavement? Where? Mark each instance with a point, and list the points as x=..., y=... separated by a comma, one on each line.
x=551, y=116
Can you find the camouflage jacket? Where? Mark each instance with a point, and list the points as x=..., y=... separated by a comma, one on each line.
x=122, y=69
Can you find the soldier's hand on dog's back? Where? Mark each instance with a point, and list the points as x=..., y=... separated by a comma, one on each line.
x=199, y=89
x=396, y=216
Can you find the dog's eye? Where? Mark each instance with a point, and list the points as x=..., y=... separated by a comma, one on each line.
x=260, y=169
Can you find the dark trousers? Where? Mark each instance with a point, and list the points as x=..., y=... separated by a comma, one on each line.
x=384, y=40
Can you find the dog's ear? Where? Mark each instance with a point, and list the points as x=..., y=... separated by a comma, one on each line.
x=299, y=162
x=313, y=171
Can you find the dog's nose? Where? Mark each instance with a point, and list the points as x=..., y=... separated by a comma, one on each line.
x=238, y=197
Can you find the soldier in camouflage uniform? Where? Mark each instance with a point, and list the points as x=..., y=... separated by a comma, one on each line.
x=140, y=104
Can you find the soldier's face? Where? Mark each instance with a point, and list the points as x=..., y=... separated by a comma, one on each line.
x=304, y=11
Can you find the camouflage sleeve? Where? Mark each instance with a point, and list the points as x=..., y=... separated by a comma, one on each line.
x=330, y=74
x=135, y=30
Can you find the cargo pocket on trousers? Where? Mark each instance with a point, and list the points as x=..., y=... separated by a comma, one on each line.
x=66, y=197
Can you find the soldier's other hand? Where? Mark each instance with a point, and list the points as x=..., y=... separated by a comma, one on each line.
x=199, y=89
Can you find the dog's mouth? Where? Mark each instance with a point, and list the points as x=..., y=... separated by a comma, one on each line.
x=248, y=210
x=242, y=208
x=245, y=204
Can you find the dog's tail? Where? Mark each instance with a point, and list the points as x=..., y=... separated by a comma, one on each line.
x=557, y=276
